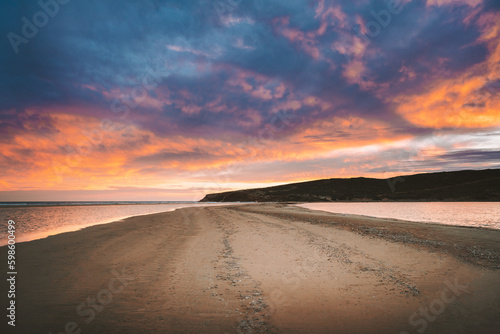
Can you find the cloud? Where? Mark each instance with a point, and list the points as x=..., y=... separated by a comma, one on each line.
x=187, y=87
x=472, y=156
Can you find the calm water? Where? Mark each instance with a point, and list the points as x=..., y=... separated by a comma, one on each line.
x=35, y=222
x=479, y=214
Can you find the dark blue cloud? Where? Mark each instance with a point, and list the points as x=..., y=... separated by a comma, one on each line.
x=471, y=156
x=434, y=42
x=15, y=122
x=492, y=5
x=110, y=45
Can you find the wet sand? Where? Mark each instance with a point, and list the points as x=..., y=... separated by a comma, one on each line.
x=260, y=268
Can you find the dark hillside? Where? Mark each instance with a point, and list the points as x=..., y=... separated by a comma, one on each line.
x=469, y=185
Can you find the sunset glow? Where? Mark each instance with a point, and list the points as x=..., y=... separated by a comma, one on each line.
x=170, y=100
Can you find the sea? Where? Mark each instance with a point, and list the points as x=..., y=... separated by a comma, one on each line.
x=470, y=214
x=37, y=220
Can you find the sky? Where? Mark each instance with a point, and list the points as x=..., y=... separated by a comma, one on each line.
x=171, y=100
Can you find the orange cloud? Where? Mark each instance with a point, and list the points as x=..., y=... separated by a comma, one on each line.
x=84, y=154
x=462, y=102
x=262, y=93
x=467, y=100
x=307, y=41
x=346, y=132
x=355, y=72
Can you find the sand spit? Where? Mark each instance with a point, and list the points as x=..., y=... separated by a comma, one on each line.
x=260, y=268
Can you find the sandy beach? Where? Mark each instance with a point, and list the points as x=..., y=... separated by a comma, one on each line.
x=259, y=268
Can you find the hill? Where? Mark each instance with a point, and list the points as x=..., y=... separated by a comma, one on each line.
x=467, y=185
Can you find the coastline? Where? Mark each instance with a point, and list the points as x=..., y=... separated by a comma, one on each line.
x=260, y=268
x=470, y=214
x=46, y=231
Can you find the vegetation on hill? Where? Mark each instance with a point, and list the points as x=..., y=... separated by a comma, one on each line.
x=468, y=185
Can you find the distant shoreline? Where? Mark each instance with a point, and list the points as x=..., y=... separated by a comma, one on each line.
x=86, y=203
x=47, y=204
x=458, y=186
x=35, y=223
